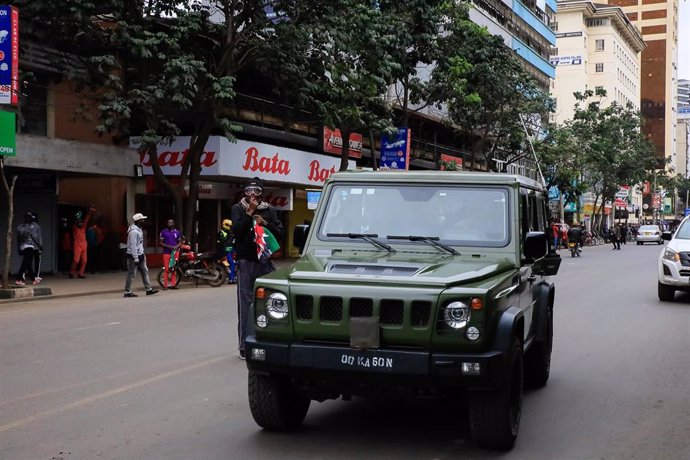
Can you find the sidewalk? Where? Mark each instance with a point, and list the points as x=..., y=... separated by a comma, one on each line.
x=62, y=286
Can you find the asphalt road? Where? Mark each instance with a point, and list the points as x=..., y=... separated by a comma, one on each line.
x=158, y=378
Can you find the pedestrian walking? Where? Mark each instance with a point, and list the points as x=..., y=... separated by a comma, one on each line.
x=624, y=234
x=250, y=217
x=79, y=244
x=171, y=240
x=225, y=246
x=29, y=243
x=616, y=237
x=136, y=260
x=37, y=254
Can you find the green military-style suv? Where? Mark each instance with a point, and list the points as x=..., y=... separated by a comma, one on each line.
x=417, y=284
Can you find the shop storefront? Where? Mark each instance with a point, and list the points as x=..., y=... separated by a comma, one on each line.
x=287, y=174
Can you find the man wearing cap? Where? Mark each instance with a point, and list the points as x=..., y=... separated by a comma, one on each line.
x=249, y=211
x=136, y=260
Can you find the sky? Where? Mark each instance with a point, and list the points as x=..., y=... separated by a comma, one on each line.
x=684, y=40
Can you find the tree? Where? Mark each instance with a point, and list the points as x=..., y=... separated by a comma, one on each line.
x=611, y=141
x=343, y=64
x=8, y=187
x=487, y=91
x=159, y=68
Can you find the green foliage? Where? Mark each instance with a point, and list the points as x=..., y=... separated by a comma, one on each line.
x=599, y=150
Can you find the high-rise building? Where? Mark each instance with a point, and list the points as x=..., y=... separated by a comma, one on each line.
x=524, y=26
x=658, y=21
x=597, y=47
x=683, y=94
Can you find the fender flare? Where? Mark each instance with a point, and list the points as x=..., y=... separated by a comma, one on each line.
x=509, y=324
x=543, y=295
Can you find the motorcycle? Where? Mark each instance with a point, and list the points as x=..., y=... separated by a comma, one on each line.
x=201, y=267
x=575, y=249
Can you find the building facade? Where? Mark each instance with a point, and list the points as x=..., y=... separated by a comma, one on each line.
x=597, y=48
x=683, y=94
x=658, y=22
x=524, y=26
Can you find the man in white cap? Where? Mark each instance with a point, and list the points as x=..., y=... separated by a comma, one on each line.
x=136, y=260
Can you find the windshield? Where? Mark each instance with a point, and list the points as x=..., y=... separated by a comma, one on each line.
x=461, y=216
x=683, y=232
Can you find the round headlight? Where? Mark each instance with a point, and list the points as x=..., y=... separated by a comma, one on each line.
x=262, y=321
x=456, y=315
x=472, y=333
x=277, y=305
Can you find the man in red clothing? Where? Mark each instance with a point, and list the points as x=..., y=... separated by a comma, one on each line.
x=79, y=245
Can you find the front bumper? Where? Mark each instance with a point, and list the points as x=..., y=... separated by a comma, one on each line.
x=332, y=365
x=674, y=274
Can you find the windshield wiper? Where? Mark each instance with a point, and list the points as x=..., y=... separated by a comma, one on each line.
x=370, y=237
x=432, y=240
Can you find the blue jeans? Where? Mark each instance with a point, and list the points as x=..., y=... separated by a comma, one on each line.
x=132, y=269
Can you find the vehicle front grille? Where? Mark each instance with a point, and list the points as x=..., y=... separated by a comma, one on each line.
x=391, y=312
x=305, y=307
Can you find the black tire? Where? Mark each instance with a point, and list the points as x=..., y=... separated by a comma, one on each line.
x=495, y=415
x=178, y=276
x=274, y=406
x=666, y=293
x=220, y=274
x=538, y=358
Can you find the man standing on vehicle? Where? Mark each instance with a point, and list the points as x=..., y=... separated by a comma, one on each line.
x=136, y=260
x=246, y=215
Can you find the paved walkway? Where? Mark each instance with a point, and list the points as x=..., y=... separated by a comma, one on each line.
x=101, y=283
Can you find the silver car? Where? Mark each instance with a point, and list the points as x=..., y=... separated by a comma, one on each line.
x=649, y=234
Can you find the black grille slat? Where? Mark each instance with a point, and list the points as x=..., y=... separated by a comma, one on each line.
x=684, y=259
x=420, y=313
x=305, y=307
x=331, y=309
x=361, y=308
x=392, y=312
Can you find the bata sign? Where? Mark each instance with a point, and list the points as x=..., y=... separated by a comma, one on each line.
x=248, y=159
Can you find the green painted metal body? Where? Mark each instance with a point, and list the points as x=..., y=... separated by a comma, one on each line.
x=355, y=275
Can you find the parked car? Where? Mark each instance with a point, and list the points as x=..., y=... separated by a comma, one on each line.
x=649, y=234
x=674, y=262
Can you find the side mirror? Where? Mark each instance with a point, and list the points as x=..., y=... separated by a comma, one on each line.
x=666, y=236
x=299, y=237
x=536, y=246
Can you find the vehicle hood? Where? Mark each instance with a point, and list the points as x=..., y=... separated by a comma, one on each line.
x=678, y=245
x=407, y=269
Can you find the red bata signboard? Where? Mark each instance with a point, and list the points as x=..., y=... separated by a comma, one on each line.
x=333, y=143
x=9, y=55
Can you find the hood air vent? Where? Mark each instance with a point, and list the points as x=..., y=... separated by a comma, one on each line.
x=361, y=269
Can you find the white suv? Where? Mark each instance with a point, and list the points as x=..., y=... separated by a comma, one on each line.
x=674, y=262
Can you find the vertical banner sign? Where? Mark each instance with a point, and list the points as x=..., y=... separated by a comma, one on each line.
x=9, y=55
x=395, y=151
x=8, y=139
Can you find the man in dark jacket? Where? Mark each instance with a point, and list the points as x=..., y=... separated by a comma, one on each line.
x=30, y=244
x=250, y=212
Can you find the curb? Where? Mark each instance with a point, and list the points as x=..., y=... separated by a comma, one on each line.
x=24, y=293
x=50, y=296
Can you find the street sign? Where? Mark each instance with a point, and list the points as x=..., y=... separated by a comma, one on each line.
x=8, y=140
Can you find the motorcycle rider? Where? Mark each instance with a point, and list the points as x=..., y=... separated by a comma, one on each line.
x=575, y=236
x=224, y=244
